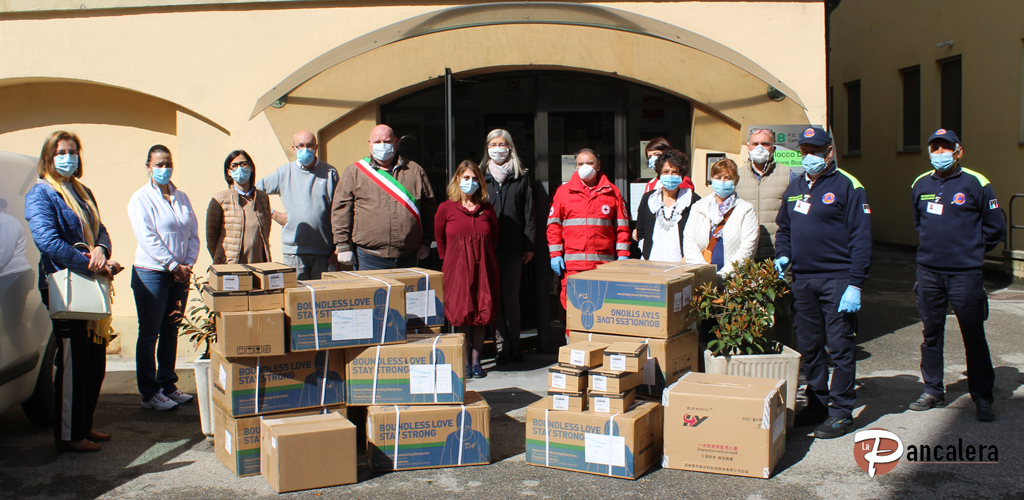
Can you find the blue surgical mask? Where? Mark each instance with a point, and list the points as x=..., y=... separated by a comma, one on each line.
x=651, y=160
x=305, y=156
x=813, y=164
x=942, y=161
x=723, y=189
x=240, y=175
x=469, y=186
x=383, y=151
x=671, y=182
x=66, y=165
x=162, y=175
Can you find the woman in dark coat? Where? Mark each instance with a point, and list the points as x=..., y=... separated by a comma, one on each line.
x=662, y=213
x=511, y=193
x=466, y=230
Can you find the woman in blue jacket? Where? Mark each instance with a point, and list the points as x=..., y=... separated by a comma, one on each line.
x=66, y=227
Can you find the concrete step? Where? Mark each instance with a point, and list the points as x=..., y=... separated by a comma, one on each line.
x=121, y=378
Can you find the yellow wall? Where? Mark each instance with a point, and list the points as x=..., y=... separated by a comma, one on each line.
x=873, y=48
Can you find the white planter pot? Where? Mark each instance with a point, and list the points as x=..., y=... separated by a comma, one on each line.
x=204, y=394
x=785, y=365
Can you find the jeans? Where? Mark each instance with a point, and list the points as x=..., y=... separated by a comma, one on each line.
x=507, y=326
x=157, y=297
x=366, y=261
x=308, y=266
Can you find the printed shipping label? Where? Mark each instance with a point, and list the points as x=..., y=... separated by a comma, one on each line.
x=273, y=442
x=223, y=377
x=578, y=357
x=352, y=324
x=561, y=402
x=443, y=378
x=649, y=367
x=602, y=405
x=421, y=304
x=677, y=302
x=558, y=380
x=618, y=362
x=600, y=383
x=276, y=280
x=687, y=295
x=231, y=283
x=227, y=441
x=607, y=450
x=779, y=425
x=425, y=379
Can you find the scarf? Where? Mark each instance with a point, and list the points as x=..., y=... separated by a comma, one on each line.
x=499, y=172
x=718, y=215
x=100, y=330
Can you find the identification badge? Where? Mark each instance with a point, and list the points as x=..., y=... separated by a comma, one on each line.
x=802, y=207
x=935, y=208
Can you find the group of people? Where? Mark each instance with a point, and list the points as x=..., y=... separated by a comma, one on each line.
x=816, y=225
x=379, y=213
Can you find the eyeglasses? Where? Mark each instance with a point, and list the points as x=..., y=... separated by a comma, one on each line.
x=241, y=164
x=763, y=131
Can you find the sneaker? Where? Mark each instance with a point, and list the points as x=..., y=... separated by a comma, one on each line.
x=469, y=372
x=833, y=427
x=517, y=356
x=813, y=414
x=478, y=372
x=180, y=397
x=985, y=413
x=501, y=360
x=927, y=402
x=160, y=403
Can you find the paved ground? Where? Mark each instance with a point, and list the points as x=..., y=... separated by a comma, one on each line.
x=165, y=456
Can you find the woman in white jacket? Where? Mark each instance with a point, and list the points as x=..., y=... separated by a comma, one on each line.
x=722, y=229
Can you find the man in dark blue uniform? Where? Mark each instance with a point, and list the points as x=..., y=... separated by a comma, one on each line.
x=957, y=219
x=825, y=232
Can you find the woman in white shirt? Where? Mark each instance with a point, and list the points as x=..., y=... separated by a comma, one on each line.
x=663, y=212
x=723, y=228
x=168, y=233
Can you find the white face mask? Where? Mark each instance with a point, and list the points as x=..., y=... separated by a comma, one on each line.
x=587, y=172
x=498, y=154
x=383, y=151
x=759, y=154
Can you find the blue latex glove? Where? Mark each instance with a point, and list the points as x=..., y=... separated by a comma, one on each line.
x=557, y=265
x=623, y=258
x=850, y=303
x=780, y=266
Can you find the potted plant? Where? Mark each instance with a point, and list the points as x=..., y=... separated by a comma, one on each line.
x=199, y=324
x=743, y=305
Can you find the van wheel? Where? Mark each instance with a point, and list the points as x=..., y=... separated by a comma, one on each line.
x=39, y=407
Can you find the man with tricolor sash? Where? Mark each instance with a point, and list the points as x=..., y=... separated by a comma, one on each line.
x=383, y=212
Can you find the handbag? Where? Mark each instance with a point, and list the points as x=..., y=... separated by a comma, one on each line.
x=75, y=296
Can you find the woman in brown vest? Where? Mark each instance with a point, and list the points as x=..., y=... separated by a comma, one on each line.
x=238, y=218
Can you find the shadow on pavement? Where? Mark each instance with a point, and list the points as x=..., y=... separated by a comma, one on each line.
x=508, y=435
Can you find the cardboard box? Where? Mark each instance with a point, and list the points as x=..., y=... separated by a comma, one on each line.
x=273, y=276
x=739, y=381
x=424, y=294
x=429, y=436
x=704, y=273
x=602, y=380
x=632, y=303
x=262, y=300
x=611, y=402
x=309, y=452
x=567, y=401
x=349, y=312
x=287, y=382
x=629, y=444
x=567, y=378
x=229, y=278
x=225, y=301
x=250, y=334
x=425, y=330
x=724, y=429
x=625, y=356
x=236, y=441
x=430, y=370
x=583, y=354
x=667, y=359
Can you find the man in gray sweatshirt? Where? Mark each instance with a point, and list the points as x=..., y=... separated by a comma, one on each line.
x=306, y=187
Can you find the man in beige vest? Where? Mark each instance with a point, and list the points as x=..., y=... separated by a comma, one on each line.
x=762, y=183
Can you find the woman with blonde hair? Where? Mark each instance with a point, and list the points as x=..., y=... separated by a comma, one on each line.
x=238, y=218
x=67, y=228
x=511, y=194
x=466, y=231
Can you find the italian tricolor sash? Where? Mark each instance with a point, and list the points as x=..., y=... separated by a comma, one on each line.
x=391, y=186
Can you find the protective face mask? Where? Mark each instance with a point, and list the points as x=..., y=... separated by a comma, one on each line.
x=469, y=186
x=942, y=161
x=759, y=154
x=813, y=164
x=587, y=172
x=66, y=165
x=162, y=175
x=651, y=160
x=671, y=182
x=305, y=156
x=240, y=175
x=723, y=189
x=498, y=154
x=383, y=151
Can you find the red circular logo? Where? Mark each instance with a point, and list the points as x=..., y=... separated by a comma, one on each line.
x=828, y=199
x=809, y=132
x=877, y=451
x=940, y=131
x=959, y=198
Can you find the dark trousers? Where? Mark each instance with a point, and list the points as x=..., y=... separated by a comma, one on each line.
x=507, y=324
x=966, y=293
x=819, y=323
x=366, y=261
x=157, y=298
x=81, y=365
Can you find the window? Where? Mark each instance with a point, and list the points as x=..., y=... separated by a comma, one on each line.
x=911, y=108
x=853, y=118
x=951, y=117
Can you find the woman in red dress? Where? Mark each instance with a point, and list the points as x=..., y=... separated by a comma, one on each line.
x=466, y=230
